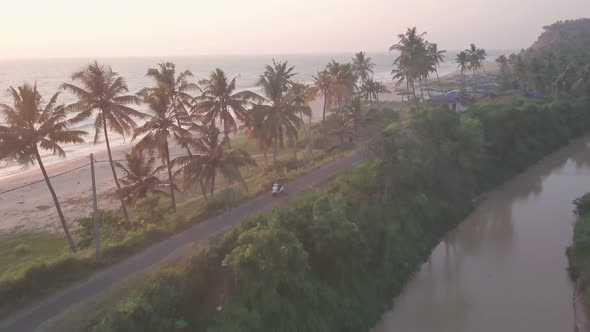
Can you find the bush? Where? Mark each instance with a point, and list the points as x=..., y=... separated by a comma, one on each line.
x=111, y=225
x=149, y=211
x=582, y=205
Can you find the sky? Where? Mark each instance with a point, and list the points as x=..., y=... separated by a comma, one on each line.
x=81, y=28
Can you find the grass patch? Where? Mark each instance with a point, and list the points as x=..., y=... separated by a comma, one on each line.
x=20, y=251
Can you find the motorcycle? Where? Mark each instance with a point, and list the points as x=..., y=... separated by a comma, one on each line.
x=277, y=189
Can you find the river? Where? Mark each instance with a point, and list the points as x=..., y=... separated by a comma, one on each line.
x=504, y=267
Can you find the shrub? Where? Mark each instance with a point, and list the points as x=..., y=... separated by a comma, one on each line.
x=149, y=211
x=582, y=205
x=110, y=223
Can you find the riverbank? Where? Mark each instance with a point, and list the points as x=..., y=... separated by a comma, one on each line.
x=579, y=262
x=497, y=249
x=332, y=261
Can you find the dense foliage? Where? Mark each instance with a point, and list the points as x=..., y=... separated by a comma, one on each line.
x=558, y=64
x=334, y=259
x=579, y=252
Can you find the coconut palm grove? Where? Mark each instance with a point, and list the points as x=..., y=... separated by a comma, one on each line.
x=426, y=149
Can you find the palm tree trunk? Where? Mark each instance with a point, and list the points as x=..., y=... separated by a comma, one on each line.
x=106, y=138
x=427, y=87
x=213, y=182
x=439, y=84
x=463, y=80
x=276, y=142
x=265, y=157
x=421, y=88
x=62, y=219
x=324, y=116
x=203, y=191
x=226, y=134
x=474, y=83
x=309, y=150
x=170, y=179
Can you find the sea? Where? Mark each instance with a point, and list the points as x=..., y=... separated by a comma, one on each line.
x=49, y=74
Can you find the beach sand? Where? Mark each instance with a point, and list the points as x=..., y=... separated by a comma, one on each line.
x=31, y=208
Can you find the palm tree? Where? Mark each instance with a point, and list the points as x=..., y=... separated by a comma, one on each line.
x=213, y=155
x=343, y=82
x=355, y=116
x=463, y=62
x=163, y=125
x=505, y=72
x=371, y=89
x=502, y=62
x=582, y=84
x=379, y=89
x=366, y=90
x=339, y=125
x=30, y=127
x=139, y=176
x=301, y=95
x=411, y=63
x=477, y=57
x=282, y=115
x=103, y=90
x=177, y=87
x=400, y=75
x=219, y=102
x=474, y=58
x=362, y=66
x=438, y=56
x=322, y=84
x=257, y=129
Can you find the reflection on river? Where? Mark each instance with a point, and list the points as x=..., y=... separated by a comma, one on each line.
x=504, y=267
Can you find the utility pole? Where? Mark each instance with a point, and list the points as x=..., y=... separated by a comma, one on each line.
x=95, y=208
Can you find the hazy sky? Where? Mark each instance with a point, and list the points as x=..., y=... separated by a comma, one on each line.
x=55, y=28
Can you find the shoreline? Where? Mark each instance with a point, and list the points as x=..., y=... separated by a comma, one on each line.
x=31, y=208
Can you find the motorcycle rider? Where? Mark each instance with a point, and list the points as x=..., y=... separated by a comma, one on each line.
x=277, y=186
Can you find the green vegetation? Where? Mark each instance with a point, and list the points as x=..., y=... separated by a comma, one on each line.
x=557, y=65
x=20, y=251
x=151, y=220
x=579, y=252
x=350, y=247
x=174, y=115
x=287, y=264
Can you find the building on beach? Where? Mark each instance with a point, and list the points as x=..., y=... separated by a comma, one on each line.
x=454, y=100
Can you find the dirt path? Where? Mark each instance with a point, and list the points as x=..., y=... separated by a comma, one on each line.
x=30, y=319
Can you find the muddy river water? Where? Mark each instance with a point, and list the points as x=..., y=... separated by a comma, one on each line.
x=504, y=268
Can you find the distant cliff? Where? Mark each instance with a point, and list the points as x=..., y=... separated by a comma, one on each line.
x=569, y=38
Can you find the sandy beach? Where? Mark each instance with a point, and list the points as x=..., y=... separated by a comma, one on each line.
x=31, y=208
